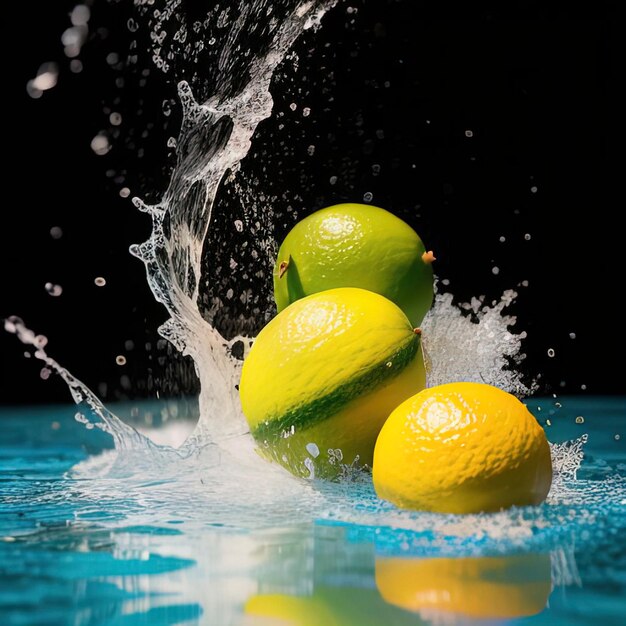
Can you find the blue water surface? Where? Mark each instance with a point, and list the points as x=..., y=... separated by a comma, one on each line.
x=110, y=548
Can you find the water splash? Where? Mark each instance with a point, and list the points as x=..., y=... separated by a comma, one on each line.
x=215, y=136
x=479, y=348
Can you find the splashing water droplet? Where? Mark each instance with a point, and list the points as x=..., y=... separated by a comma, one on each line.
x=100, y=144
x=53, y=290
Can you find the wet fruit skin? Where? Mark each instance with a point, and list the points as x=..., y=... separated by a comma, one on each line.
x=324, y=375
x=355, y=245
x=462, y=448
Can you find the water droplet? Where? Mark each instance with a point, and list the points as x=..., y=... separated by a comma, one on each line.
x=100, y=144
x=56, y=232
x=527, y=237
x=495, y=270
x=580, y=419
x=551, y=352
x=239, y=226
x=333, y=180
x=120, y=359
x=533, y=189
x=132, y=25
x=80, y=15
x=583, y=387
x=502, y=239
x=313, y=449
x=45, y=372
x=306, y=112
x=293, y=106
x=368, y=196
x=99, y=281
x=469, y=133
x=53, y=290
x=617, y=437
x=113, y=58
x=115, y=119
x=171, y=142
x=47, y=76
x=124, y=192
x=572, y=335
x=76, y=66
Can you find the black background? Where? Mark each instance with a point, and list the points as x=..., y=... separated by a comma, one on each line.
x=398, y=86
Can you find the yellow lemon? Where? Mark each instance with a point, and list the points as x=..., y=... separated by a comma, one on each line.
x=462, y=448
x=355, y=245
x=481, y=587
x=324, y=374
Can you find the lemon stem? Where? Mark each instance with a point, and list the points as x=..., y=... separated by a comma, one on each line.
x=282, y=268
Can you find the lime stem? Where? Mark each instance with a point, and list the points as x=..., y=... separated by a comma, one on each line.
x=429, y=257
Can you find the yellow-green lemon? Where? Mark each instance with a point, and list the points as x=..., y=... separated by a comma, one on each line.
x=328, y=606
x=462, y=448
x=324, y=374
x=355, y=245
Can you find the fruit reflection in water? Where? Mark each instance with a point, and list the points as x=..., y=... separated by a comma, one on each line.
x=480, y=587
